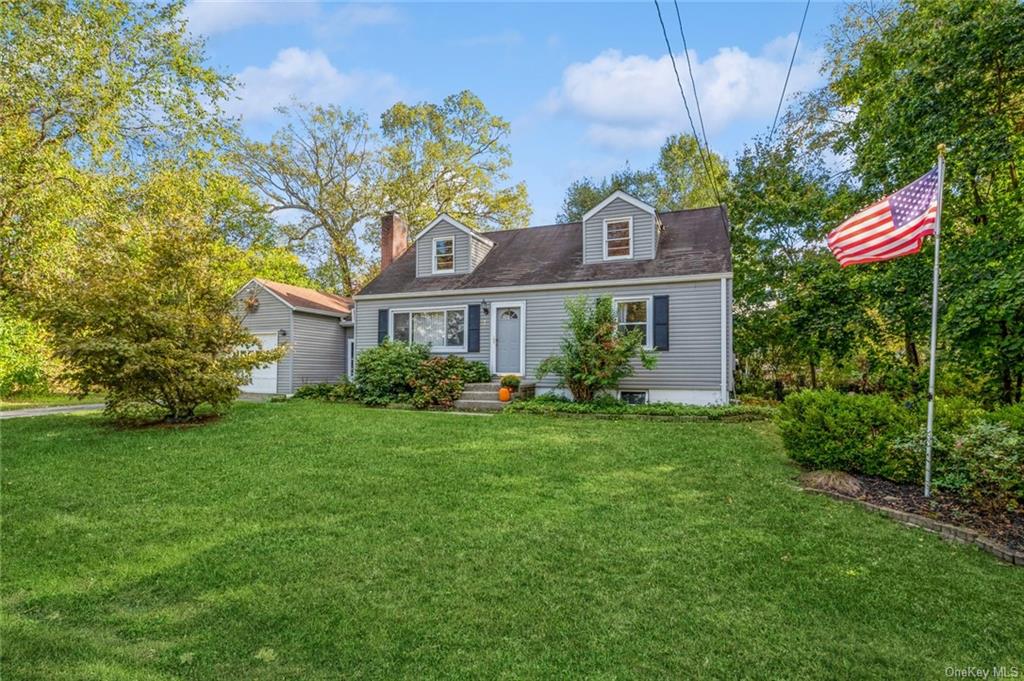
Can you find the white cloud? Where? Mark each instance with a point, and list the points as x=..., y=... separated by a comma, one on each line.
x=632, y=101
x=209, y=17
x=356, y=15
x=308, y=76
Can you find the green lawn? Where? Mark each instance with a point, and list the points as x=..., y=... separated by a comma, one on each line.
x=30, y=401
x=314, y=541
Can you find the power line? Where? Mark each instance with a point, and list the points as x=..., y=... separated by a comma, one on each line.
x=782, y=95
x=696, y=97
x=686, y=105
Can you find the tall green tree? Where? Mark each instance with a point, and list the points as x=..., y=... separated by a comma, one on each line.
x=681, y=178
x=903, y=79
x=452, y=157
x=324, y=166
x=84, y=85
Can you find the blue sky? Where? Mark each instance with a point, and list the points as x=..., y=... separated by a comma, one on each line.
x=587, y=87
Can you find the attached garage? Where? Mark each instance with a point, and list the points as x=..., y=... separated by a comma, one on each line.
x=315, y=326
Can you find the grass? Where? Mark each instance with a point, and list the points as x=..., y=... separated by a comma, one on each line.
x=47, y=400
x=304, y=540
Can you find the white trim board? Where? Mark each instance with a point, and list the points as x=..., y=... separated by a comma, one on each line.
x=619, y=194
x=493, y=323
x=446, y=308
x=444, y=217
x=433, y=255
x=604, y=239
x=649, y=299
x=640, y=281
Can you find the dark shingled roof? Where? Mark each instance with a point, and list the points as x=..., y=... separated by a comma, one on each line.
x=693, y=241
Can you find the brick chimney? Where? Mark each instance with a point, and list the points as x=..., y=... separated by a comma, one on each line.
x=394, y=238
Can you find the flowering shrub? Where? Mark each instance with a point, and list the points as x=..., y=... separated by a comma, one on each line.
x=437, y=382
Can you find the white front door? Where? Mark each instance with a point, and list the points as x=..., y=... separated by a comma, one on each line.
x=264, y=379
x=508, y=339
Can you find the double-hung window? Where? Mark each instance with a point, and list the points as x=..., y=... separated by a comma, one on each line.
x=618, y=238
x=635, y=313
x=443, y=330
x=444, y=255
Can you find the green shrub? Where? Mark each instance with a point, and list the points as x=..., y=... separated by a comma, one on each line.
x=343, y=392
x=595, y=356
x=986, y=464
x=474, y=372
x=23, y=355
x=848, y=432
x=383, y=372
x=438, y=382
x=314, y=391
x=605, y=404
x=1012, y=416
x=510, y=382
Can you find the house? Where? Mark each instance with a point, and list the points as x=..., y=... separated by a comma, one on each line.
x=316, y=326
x=499, y=297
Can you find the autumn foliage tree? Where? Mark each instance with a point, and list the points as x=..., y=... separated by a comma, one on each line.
x=144, y=311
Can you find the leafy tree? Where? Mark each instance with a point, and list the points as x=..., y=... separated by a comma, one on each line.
x=453, y=158
x=676, y=181
x=595, y=354
x=903, y=79
x=585, y=193
x=85, y=85
x=684, y=178
x=144, y=310
x=324, y=165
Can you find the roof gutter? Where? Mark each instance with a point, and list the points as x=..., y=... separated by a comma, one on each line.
x=645, y=281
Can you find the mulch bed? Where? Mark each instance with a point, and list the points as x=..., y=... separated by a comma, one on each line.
x=1006, y=527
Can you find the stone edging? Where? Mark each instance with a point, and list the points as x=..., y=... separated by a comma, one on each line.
x=949, y=532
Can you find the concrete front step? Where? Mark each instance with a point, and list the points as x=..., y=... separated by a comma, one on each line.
x=480, y=394
x=479, y=405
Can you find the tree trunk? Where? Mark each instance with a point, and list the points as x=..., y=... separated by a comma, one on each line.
x=1005, y=371
x=913, y=359
x=779, y=392
x=814, y=376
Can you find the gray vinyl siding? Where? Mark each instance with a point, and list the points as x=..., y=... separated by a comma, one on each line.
x=729, y=338
x=644, y=237
x=477, y=252
x=425, y=249
x=693, y=361
x=318, y=349
x=272, y=316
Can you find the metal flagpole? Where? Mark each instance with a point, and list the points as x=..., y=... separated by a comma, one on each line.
x=935, y=321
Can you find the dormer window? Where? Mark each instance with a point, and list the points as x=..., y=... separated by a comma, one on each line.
x=444, y=255
x=618, y=238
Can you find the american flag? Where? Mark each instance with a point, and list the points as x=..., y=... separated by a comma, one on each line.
x=890, y=228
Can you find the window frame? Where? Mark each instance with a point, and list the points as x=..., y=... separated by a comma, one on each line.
x=628, y=219
x=433, y=255
x=645, y=393
x=649, y=302
x=445, y=349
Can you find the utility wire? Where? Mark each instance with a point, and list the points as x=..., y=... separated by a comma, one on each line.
x=686, y=104
x=782, y=95
x=696, y=98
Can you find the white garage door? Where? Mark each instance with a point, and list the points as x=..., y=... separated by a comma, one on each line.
x=264, y=379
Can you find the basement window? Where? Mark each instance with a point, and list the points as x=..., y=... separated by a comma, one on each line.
x=633, y=396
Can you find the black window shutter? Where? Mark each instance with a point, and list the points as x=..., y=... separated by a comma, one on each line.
x=661, y=322
x=473, y=329
x=382, y=325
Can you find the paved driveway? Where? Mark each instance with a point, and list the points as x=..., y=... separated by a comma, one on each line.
x=43, y=411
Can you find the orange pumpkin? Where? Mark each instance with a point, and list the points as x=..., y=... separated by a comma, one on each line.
x=504, y=394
